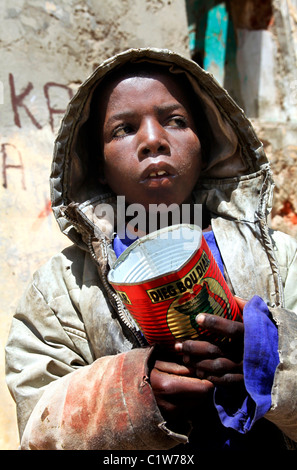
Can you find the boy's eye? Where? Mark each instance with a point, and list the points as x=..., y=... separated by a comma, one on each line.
x=177, y=121
x=121, y=131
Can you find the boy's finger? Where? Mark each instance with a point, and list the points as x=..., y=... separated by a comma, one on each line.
x=240, y=302
x=220, y=325
x=165, y=384
x=227, y=379
x=218, y=367
x=198, y=349
x=173, y=368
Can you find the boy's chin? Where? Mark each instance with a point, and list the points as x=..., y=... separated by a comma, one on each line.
x=164, y=204
x=168, y=206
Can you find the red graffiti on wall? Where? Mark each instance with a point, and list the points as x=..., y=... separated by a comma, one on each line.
x=46, y=210
x=51, y=109
x=6, y=165
x=20, y=100
x=43, y=214
x=17, y=101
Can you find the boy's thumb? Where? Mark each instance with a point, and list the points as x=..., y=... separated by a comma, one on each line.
x=240, y=302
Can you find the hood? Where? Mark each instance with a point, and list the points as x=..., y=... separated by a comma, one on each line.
x=236, y=182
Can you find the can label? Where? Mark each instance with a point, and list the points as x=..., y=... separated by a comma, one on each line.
x=185, y=284
x=165, y=308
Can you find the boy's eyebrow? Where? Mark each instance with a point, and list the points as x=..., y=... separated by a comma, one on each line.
x=121, y=115
x=161, y=109
x=168, y=108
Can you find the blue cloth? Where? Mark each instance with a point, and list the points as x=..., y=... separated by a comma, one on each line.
x=120, y=244
x=259, y=362
x=212, y=244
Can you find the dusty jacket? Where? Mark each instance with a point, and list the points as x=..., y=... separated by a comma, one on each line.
x=76, y=364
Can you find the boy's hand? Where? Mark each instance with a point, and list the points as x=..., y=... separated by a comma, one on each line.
x=219, y=363
x=181, y=389
x=178, y=393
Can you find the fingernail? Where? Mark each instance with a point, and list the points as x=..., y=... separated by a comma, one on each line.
x=186, y=359
x=178, y=347
x=200, y=319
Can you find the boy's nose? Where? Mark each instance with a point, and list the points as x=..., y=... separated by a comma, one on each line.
x=152, y=140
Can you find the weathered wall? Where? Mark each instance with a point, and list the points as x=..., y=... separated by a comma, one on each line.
x=250, y=47
x=277, y=124
x=47, y=49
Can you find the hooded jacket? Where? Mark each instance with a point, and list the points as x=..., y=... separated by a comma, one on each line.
x=76, y=363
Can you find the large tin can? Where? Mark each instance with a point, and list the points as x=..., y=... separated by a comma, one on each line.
x=166, y=278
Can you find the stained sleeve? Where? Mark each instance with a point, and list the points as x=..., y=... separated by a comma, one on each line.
x=67, y=400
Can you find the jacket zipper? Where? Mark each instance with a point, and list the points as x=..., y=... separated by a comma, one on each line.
x=119, y=307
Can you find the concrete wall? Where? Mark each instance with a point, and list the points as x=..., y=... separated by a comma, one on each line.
x=47, y=49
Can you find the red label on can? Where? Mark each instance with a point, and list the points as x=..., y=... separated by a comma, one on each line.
x=165, y=308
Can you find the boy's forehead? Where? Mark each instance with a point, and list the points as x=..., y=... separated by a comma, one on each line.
x=131, y=79
x=177, y=84
x=145, y=70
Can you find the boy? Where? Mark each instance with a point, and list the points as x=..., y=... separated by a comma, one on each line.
x=152, y=127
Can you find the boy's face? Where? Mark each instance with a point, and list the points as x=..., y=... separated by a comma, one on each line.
x=152, y=153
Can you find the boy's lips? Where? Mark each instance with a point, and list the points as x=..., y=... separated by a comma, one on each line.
x=157, y=171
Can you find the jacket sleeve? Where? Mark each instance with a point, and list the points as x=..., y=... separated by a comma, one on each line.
x=65, y=399
x=106, y=405
x=283, y=411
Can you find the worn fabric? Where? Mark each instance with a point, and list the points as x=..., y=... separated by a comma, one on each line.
x=76, y=362
x=260, y=359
